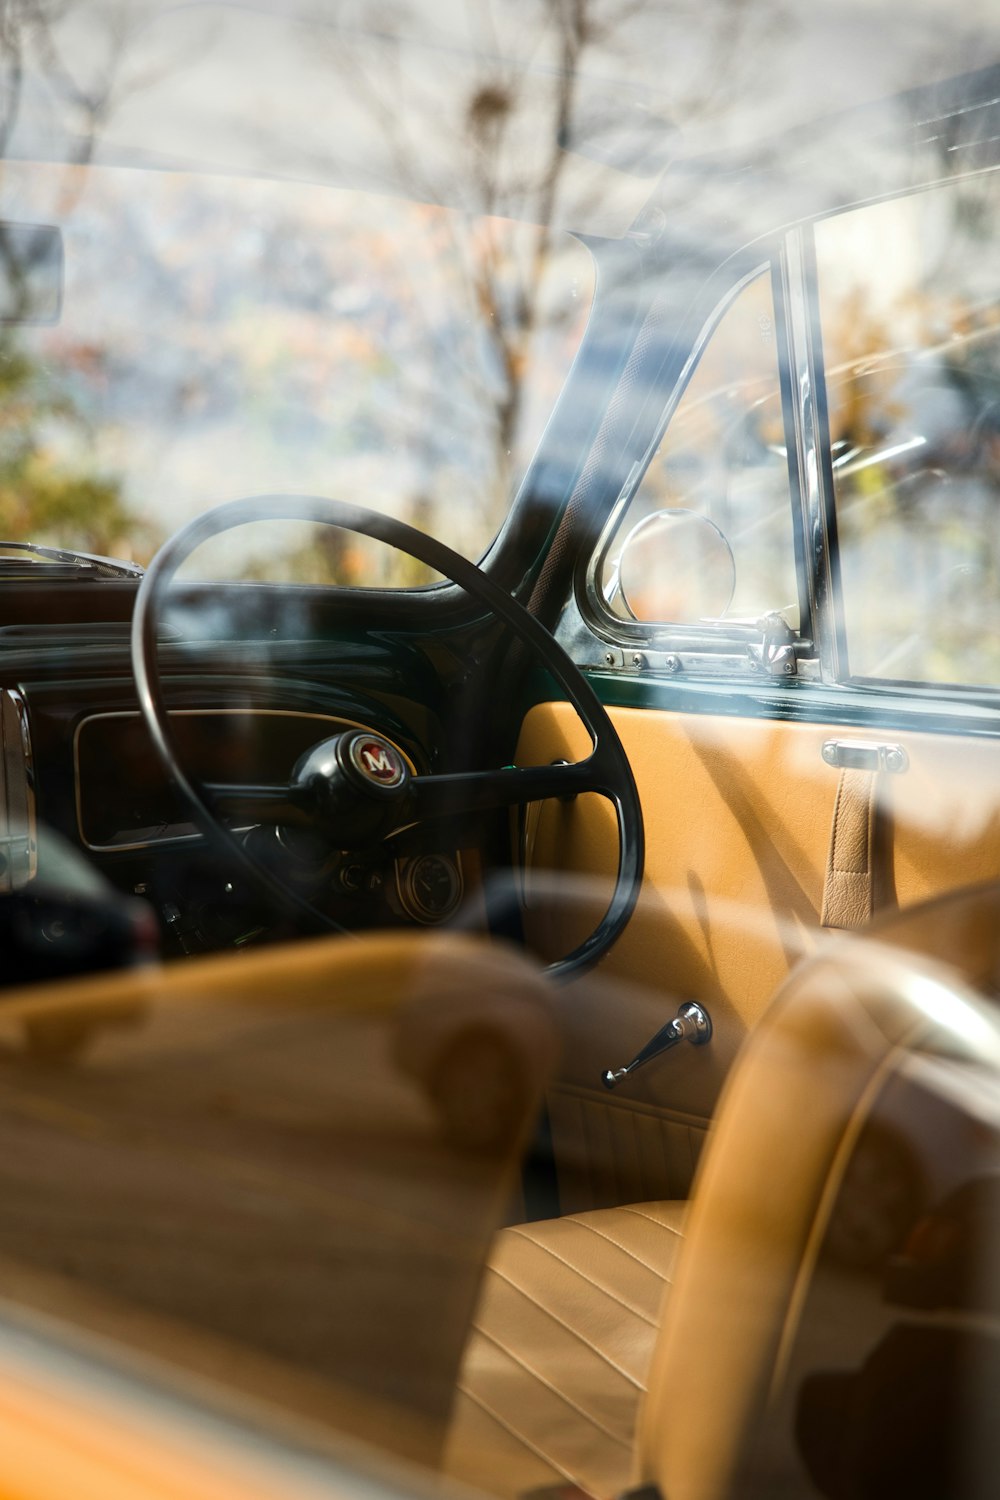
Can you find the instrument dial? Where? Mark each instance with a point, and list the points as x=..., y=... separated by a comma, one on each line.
x=430, y=887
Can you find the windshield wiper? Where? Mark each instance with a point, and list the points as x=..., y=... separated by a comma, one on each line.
x=74, y=564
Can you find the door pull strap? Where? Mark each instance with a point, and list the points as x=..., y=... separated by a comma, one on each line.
x=849, y=889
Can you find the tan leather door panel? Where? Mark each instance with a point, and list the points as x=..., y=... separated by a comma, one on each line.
x=738, y=815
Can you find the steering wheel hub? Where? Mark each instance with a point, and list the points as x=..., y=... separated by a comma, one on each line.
x=353, y=786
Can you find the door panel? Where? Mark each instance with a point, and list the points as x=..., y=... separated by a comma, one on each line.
x=738, y=816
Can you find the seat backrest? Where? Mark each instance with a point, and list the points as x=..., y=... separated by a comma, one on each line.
x=842, y=1028
x=283, y=1173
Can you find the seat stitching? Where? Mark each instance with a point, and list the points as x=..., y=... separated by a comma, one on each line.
x=652, y=1219
x=547, y=1250
x=573, y=1333
x=518, y=1436
x=623, y=1248
x=559, y=1395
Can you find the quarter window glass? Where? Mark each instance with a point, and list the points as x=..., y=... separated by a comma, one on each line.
x=708, y=535
x=910, y=315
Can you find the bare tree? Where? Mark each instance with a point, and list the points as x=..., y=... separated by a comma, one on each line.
x=504, y=112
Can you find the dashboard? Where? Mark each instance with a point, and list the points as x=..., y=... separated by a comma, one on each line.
x=123, y=797
x=77, y=761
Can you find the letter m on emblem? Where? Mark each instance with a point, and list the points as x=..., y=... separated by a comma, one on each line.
x=378, y=761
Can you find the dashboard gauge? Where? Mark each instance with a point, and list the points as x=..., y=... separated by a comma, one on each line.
x=430, y=887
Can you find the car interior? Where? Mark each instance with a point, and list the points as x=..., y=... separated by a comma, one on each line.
x=500, y=994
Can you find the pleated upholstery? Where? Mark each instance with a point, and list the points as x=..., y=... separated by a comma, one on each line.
x=558, y=1357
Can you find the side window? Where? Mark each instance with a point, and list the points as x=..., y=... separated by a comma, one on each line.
x=707, y=536
x=909, y=302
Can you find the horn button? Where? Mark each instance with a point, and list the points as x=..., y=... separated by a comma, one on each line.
x=353, y=785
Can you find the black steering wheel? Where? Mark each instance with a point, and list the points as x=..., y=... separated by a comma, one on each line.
x=355, y=787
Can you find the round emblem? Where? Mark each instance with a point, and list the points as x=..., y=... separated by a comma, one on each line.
x=377, y=760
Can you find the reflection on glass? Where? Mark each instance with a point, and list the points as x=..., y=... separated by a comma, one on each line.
x=225, y=336
x=283, y=551
x=910, y=309
x=888, y=1382
x=676, y=565
x=723, y=459
x=254, y=1181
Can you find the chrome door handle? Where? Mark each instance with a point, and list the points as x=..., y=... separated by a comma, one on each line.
x=692, y=1023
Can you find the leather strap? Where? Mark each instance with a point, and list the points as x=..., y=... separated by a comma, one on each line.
x=849, y=890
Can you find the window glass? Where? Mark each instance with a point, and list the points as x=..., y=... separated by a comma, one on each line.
x=708, y=534
x=910, y=314
x=227, y=335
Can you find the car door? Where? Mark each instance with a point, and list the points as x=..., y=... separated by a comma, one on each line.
x=791, y=609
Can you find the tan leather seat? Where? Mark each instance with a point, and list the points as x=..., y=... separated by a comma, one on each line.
x=558, y=1359
x=843, y=1026
x=554, y=1373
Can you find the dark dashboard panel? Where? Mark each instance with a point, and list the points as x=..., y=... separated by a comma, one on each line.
x=253, y=676
x=123, y=798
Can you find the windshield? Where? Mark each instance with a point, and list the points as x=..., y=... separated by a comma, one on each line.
x=221, y=336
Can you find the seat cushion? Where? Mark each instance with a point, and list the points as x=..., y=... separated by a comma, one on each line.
x=558, y=1356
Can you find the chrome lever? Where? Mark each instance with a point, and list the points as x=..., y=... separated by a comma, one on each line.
x=692, y=1023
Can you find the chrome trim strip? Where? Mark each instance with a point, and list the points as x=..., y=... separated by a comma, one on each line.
x=815, y=530
x=18, y=812
x=336, y=721
x=865, y=755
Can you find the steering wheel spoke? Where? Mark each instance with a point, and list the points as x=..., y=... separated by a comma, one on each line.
x=260, y=802
x=427, y=798
x=483, y=791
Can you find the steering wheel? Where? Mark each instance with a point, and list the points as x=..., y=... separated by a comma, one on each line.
x=355, y=787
